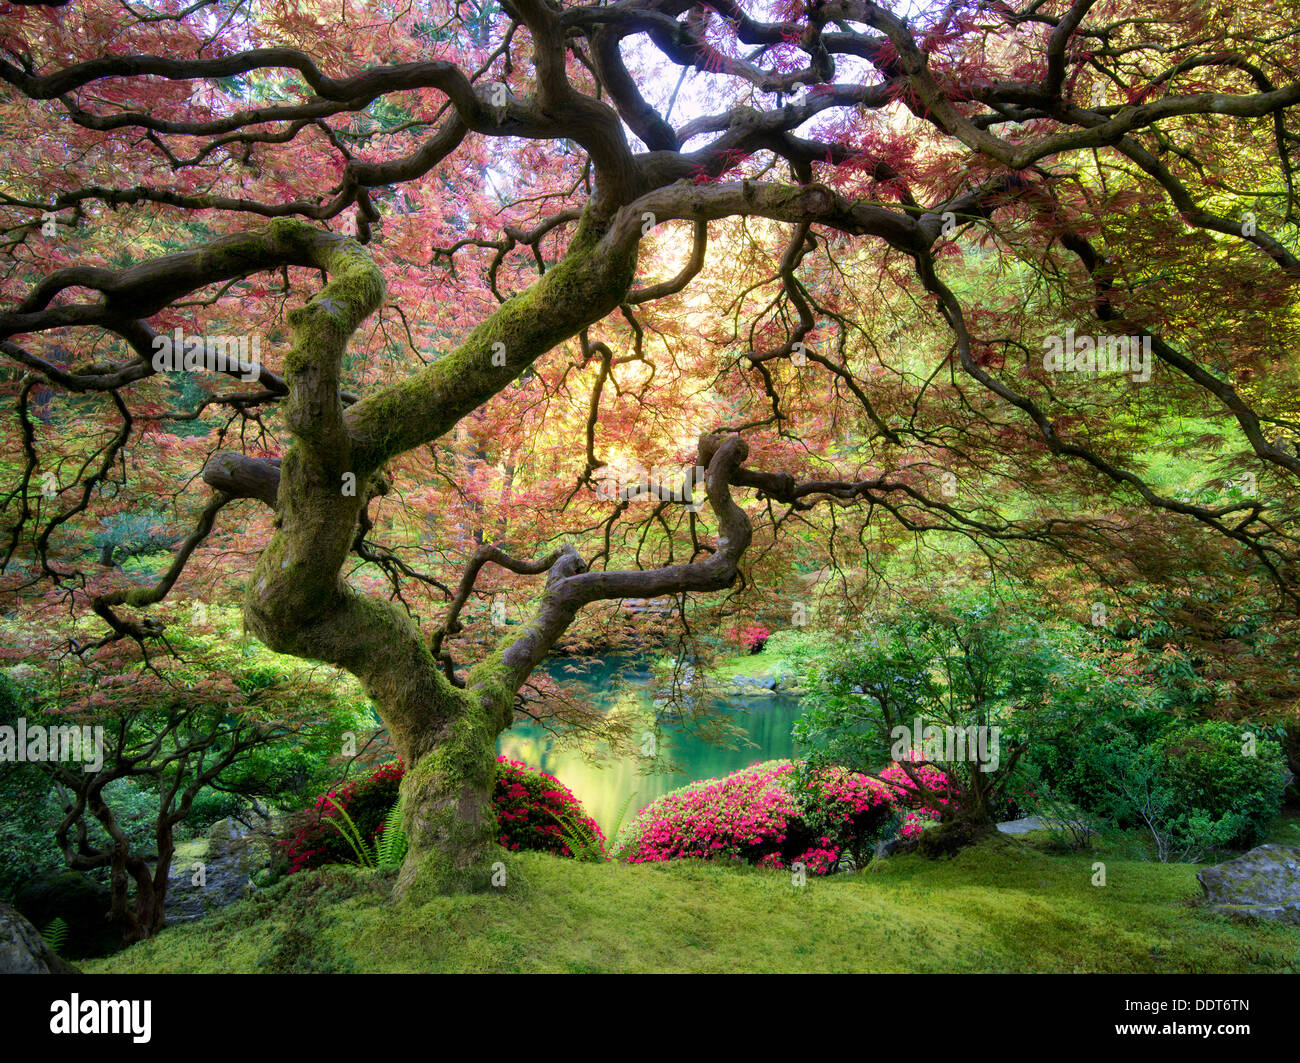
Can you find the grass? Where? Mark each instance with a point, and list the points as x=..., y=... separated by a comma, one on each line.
x=1002, y=906
x=781, y=654
x=1285, y=830
x=751, y=664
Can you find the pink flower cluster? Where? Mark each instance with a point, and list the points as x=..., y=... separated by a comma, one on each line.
x=717, y=817
x=821, y=859
x=848, y=793
x=905, y=792
x=530, y=805
x=752, y=637
x=750, y=815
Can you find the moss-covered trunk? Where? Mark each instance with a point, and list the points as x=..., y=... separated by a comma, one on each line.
x=447, y=797
x=297, y=601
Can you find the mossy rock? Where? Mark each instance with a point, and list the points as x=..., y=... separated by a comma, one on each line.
x=79, y=901
x=949, y=838
x=1263, y=884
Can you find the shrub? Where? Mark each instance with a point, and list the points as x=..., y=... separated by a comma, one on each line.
x=315, y=841
x=1193, y=789
x=773, y=815
x=1070, y=752
x=537, y=811
x=534, y=810
x=1210, y=772
x=1190, y=786
x=209, y=807
x=743, y=816
x=752, y=637
x=1140, y=796
x=964, y=660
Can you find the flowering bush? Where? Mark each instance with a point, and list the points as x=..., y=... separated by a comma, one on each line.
x=753, y=637
x=537, y=811
x=906, y=794
x=314, y=841
x=741, y=816
x=529, y=807
x=773, y=815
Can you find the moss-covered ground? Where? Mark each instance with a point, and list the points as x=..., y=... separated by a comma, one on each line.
x=1006, y=905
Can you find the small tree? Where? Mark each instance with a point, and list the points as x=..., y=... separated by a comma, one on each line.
x=178, y=749
x=970, y=667
x=215, y=719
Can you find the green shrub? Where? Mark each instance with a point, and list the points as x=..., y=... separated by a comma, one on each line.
x=965, y=661
x=1215, y=771
x=1069, y=753
x=209, y=807
x=1138, y=795
x=1194, y=789
x=27, y=846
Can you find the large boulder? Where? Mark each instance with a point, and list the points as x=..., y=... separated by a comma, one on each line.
x=1263, y=884
x=226, y=860
x=79, y=901
x=24, y=951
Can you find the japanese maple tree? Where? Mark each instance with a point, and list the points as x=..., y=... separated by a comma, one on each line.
x=492, y=251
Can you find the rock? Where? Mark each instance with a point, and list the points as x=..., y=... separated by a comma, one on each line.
x=24, y=951
x=752, y=685
x=887, y=848
x=79, y=901
x=1262, y=884
x=225, y=836
x=205, y=877
x=1021, y=826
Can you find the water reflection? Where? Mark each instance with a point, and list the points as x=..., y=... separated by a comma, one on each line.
x=763, y=724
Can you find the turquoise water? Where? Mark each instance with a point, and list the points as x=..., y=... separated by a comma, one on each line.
x=763, y=726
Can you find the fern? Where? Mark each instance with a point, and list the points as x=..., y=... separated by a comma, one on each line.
x=618, y=820
x=364, y=857
x=388, y=849
x=582, y=840
x=55, y=933
x=392, y=843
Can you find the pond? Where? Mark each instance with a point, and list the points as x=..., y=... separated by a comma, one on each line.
x=604, y=787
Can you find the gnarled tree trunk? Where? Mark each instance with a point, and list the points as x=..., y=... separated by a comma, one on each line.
x=297, y=601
